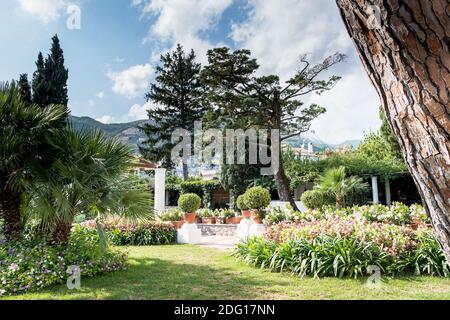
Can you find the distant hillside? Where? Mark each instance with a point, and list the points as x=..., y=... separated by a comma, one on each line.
x=131, y=135
x=126, y=132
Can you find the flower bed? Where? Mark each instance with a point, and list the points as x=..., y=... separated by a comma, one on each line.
x=137, y=234
x=31, y=265
x=344, y=243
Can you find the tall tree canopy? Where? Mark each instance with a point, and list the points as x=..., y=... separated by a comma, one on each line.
x=49, y=82
x=24, y=88
x=177, y=96
x=236, y=91
x=406, y=54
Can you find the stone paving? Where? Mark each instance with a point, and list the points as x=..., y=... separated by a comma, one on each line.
x=225, y=243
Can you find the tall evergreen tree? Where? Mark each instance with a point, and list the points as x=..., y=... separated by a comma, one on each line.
x=177, y=93
x=50, y=78
x=38, y=83
x=24, y=88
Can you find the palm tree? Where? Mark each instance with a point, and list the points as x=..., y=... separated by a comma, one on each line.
x=90, y=173
x=335, y=182
x=24, y=130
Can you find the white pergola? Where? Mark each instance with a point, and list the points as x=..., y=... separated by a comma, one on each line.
x=160, y=181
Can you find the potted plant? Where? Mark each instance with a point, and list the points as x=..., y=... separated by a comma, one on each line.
x=189, y=203
x=257, y=198
x=224, y=215
x=242, y=205
x=174, y=216
x=208, y=217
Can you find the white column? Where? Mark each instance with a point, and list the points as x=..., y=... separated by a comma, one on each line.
x=375, y=190
x=387, y=188
x=160, y=189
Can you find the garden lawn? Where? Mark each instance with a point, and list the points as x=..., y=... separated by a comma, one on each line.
x=190, y=272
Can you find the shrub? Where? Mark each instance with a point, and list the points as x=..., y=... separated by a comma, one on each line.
x=316, y=199
x=344, y=246
x=240, y=203
x=32, y=264
x=189, y=202
x=257, y=198
x=137, y=234
x=172, y=215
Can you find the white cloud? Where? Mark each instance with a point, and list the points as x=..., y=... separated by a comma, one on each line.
x=106, y=119
x=132, y=81
x=44, y=10
x=182, y=21
x=100, y=95
x=139, y=112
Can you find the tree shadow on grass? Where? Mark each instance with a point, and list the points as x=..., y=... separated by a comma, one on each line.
x=153, y=278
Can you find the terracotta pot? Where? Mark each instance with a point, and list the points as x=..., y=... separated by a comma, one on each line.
x=246, y=214
x=190, y=218
x=221, y=221
x=208, y=220
x=177, y=224
x=255, y=217
x=234, y=220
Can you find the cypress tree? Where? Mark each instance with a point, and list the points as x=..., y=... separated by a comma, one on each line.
x=24, y=88
x=38, y=82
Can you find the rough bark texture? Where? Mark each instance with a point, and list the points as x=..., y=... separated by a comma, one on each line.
x=10, y=208
x=406, y=55
x=61, y=232
x=282, y=181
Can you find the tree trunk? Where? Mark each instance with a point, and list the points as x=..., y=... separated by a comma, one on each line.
x=61, y=232
x=406, y=54
x=185, y=172
x=10, y=205
x=284, y=191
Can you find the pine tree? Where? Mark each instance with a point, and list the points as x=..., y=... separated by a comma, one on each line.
x=24, y=88
x=38, y=82
x=50, y=78
x=177, y=94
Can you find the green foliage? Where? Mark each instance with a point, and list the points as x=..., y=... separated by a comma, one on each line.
x=389, y=136
x=334, y=182
x=180, y=94
x=322, y=253
x=203, y=188
x=32, y=264
x=49, y=82
x=316, y=199
x=257, y=198
x=241, y=203
x=189, y=202
x=145, y=233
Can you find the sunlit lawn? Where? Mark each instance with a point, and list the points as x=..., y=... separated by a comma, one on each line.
x=188, y=272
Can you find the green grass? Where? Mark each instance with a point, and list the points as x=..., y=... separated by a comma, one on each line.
x=188, y=272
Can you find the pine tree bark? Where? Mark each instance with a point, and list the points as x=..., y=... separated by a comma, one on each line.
x=406, y=55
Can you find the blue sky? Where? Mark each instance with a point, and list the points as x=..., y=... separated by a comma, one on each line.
x=112, y=58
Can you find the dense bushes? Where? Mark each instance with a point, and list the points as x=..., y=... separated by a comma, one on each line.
x=398, y=214
x=315, y=199
x=137, y=234
x=344, y=244
x=257, y=198
x=189, y=202
x=33, y=264
x=202, y=188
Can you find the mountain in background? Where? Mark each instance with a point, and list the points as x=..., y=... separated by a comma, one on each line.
x=130, y=134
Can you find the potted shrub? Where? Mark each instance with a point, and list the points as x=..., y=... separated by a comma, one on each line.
x=174, y=216
x=257, y=199
x=242, y=205
x=189, y=203
x=224, y=215
x=208, y=217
